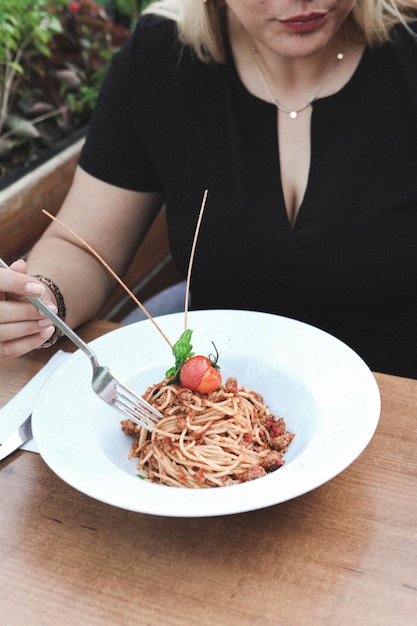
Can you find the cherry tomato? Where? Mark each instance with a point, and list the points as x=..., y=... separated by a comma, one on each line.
x=198, y=374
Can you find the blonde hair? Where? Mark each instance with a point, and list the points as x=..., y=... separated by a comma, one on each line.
x=199, y=23
x=377, y=18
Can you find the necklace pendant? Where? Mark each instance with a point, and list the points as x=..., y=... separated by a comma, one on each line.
x=293, y=115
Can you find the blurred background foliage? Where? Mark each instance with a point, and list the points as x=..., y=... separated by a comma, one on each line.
x=54, y=55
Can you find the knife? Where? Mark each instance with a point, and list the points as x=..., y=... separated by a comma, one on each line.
x=17, y=439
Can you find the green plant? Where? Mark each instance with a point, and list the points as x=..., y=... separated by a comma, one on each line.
x=125, y=11
x=24, y=30
x=53, y=57
x=128, y=8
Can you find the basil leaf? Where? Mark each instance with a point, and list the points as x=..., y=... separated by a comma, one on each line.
x=182, y=350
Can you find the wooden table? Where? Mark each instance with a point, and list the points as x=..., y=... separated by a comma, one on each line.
x=344, y=554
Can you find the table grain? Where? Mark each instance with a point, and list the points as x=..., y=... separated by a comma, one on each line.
x=344, y=554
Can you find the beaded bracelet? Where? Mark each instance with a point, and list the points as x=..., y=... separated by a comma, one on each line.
x=62, y=310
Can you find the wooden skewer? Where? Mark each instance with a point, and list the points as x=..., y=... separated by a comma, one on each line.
x=190, y=263
x=112, y=272
x=124, y=286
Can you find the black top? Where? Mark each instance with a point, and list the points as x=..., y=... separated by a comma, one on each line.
x=166, y=121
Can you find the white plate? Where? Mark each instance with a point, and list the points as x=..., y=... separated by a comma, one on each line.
x=325, y=392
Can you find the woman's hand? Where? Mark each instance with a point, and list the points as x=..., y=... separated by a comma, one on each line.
x=113, y=221
x=22, y=327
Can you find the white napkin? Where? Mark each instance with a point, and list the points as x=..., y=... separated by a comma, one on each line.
x=19, y=407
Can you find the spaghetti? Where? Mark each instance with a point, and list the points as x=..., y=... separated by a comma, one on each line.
x=222, y=438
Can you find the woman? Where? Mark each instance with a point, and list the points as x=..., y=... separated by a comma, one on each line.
x=300, y=118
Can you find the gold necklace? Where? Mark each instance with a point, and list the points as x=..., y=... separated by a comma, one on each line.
x=293, y=113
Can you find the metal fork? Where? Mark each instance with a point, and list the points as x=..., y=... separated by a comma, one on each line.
x=104, y=383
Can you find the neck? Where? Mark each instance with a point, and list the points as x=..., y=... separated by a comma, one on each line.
x=293, y=110
x=292, y=81
x=289, y=73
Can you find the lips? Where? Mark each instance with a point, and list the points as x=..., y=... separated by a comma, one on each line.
x=304, y=23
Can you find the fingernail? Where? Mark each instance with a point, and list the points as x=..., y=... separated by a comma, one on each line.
x=47, y=332
x=35, y=289
x=44, y=322
x=52, y=307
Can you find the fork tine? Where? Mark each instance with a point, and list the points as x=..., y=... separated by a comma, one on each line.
x=123, y=399
x=137, y=402
x=131, y=413
x=137, y=409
